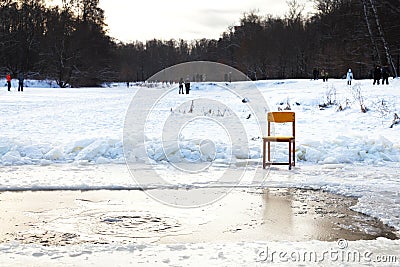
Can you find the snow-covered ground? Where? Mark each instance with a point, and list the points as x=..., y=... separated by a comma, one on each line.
x=379, y=252
x=53, y=125
x=52, y=138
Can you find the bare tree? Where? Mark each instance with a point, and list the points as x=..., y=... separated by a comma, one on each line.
x=371, y=35
x=382, y=36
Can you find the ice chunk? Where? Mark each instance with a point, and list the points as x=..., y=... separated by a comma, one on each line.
x=102, y=160
x=55, y=154
x=186, y=153
x=45, y=162
x=12, y=157
x=207, y=149
x=33, y=152
x=330, y=160
x=95, y=149
x=77, y=146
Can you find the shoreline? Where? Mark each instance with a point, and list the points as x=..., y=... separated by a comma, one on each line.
x=62, y=218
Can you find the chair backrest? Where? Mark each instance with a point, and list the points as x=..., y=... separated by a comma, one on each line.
x=281, y=117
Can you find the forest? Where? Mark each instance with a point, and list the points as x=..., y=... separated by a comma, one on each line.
x=69, y=43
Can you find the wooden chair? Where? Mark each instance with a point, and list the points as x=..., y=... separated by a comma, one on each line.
x=280, y=117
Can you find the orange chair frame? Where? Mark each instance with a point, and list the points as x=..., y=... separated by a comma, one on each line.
x=280, y=117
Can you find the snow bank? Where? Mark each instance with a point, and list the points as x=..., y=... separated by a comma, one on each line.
x=343, y=149
x=346, y=149
x=13, y=152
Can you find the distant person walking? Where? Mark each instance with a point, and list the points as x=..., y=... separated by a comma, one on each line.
x=385, y=75
x=181, y=86
x=20, y=82
x=187, y=86
x=349, y=77
x=324, y=75
x=377, y=75
x=8, y=78
x=315, y=74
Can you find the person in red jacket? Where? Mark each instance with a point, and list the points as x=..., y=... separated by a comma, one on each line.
x=8, y=77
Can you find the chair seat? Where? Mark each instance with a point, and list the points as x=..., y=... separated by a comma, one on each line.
x=278, y=138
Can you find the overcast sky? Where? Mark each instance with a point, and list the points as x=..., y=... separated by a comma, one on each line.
x=131, y=20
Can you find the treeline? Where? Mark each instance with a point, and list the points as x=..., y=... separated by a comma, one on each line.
x=69, y=43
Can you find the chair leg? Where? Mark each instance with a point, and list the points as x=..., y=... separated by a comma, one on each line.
x=294, y=153
x=290, y=156
x=263, y=158
x=269, y=152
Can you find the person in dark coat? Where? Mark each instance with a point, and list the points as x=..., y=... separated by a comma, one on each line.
x=181, y=86
x=385, y=75
x=315, y=74
x=377, y=75
x=20, y=82
x=187, y=86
